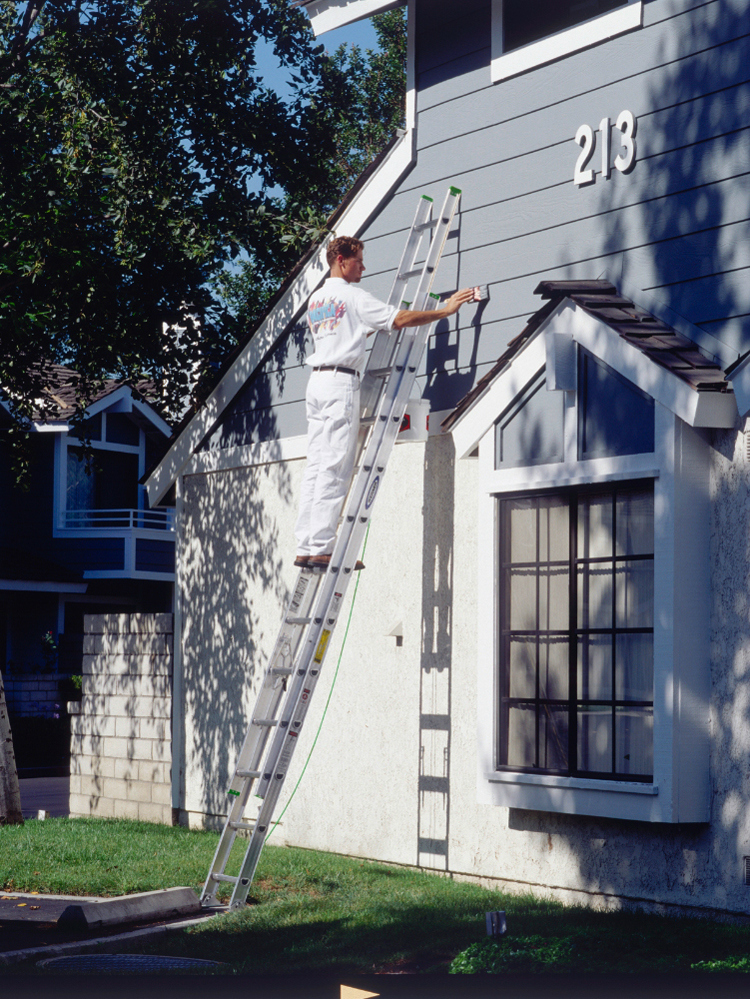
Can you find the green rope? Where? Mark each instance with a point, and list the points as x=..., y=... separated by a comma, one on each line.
x=330, y=694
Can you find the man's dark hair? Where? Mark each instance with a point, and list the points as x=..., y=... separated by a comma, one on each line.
x=346, y=246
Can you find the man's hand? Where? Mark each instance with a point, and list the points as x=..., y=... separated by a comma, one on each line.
x=457, y=299
x=413, y=318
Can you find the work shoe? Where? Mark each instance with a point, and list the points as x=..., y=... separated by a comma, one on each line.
x=323, y=561
x=302, y=561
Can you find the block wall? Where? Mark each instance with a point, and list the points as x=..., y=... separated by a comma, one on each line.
x=35, y=696
x=120, y=744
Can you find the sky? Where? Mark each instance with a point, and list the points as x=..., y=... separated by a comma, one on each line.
x=360, y=33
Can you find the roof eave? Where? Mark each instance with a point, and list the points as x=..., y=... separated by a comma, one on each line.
x=327, y=15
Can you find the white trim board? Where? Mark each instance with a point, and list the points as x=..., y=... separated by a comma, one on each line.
x=327, y=15
x=697, y=409
x=562, y=43
x=355, y=218
x=247, y=456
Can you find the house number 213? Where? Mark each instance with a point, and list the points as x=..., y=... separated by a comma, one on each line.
x=624, y=161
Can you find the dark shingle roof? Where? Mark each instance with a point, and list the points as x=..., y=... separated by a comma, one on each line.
x=655, y=338
x=59, y=390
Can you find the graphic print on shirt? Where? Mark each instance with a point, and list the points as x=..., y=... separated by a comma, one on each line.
x=325, y=316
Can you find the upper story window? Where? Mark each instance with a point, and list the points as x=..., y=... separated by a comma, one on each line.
x=529, y=33
x=98, y=490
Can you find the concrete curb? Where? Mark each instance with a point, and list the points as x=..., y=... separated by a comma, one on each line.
x=81, y=946
x=165, y=903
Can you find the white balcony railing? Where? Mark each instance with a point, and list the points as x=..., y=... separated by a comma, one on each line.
x=103, y=520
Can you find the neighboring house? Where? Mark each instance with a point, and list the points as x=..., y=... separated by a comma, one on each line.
x=546, y=676
x=77, y=540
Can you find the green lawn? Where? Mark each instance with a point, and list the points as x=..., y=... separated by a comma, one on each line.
x=312, y=912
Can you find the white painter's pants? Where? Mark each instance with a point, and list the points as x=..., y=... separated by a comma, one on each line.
x=332, y=429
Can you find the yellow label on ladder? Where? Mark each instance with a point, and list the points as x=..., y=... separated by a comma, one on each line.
x=322, y=646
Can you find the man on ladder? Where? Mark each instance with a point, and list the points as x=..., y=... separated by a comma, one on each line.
x=340, y=318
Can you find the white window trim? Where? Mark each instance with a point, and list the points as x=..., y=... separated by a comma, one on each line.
x=563, y=43
x=59, y=502
x=680, y=788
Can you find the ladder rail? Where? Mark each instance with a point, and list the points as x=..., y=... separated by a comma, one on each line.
x=325, y=615
x=312, y=612
x=273, y=689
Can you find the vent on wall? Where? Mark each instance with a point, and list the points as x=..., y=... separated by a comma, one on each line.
x=746, y=864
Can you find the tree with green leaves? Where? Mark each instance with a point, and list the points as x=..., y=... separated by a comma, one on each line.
x=353, y=108
x=140, y=144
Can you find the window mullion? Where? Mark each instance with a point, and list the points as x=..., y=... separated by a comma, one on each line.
x=573, y=635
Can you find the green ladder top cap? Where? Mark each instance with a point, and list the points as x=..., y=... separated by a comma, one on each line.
x=433, y=295
x=426, y=197
x=455, y=190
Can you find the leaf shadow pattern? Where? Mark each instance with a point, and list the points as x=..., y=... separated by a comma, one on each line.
x=233, y=553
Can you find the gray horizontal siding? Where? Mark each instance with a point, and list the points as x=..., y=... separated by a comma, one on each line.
x=677, y=226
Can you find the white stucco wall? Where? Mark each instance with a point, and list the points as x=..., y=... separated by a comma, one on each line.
x=361, y=792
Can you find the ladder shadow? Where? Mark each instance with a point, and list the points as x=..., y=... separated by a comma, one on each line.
x=433, y=809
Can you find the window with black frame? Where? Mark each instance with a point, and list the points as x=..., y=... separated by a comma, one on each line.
x=576, y=630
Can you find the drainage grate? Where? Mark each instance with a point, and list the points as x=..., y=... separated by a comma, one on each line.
x=746, y=863
x=123, y=964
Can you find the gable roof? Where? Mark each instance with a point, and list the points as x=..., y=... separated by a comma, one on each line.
x=649, y=335
x=59, y=392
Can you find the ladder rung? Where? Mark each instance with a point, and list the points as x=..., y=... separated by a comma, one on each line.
x=379, y=372
x=247, y=774
x=243, y=825
x=416, y=272
x=298, y=620
x=283, y=670
x=367, y=421
x=426, y=225
x=225, y=877
x=265, y=722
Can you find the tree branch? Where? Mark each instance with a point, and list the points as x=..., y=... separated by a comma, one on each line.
x=21, y=45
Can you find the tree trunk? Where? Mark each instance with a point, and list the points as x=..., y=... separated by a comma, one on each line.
x=10, y=795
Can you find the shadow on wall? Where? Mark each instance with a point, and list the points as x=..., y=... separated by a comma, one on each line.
x=433, y=809
x=232, y=560
x=255, y=414
x=687, y=241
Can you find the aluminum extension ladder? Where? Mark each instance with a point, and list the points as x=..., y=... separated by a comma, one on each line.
x=311, y=615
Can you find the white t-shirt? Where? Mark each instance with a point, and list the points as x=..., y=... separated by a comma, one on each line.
x=339, y=316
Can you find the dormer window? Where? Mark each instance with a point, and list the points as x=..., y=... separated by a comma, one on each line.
x=593, y=581
x=530, y=33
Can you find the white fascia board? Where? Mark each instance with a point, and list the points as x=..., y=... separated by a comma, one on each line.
x=740, y=379
x=327, y=15
x=697, y=409
x=247, y=456
x=354, y=220
x=49, y=428
x=112, y=399
x=474, y=423
x=152, y=416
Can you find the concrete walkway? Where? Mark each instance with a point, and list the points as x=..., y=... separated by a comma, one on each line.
x=48, y=793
